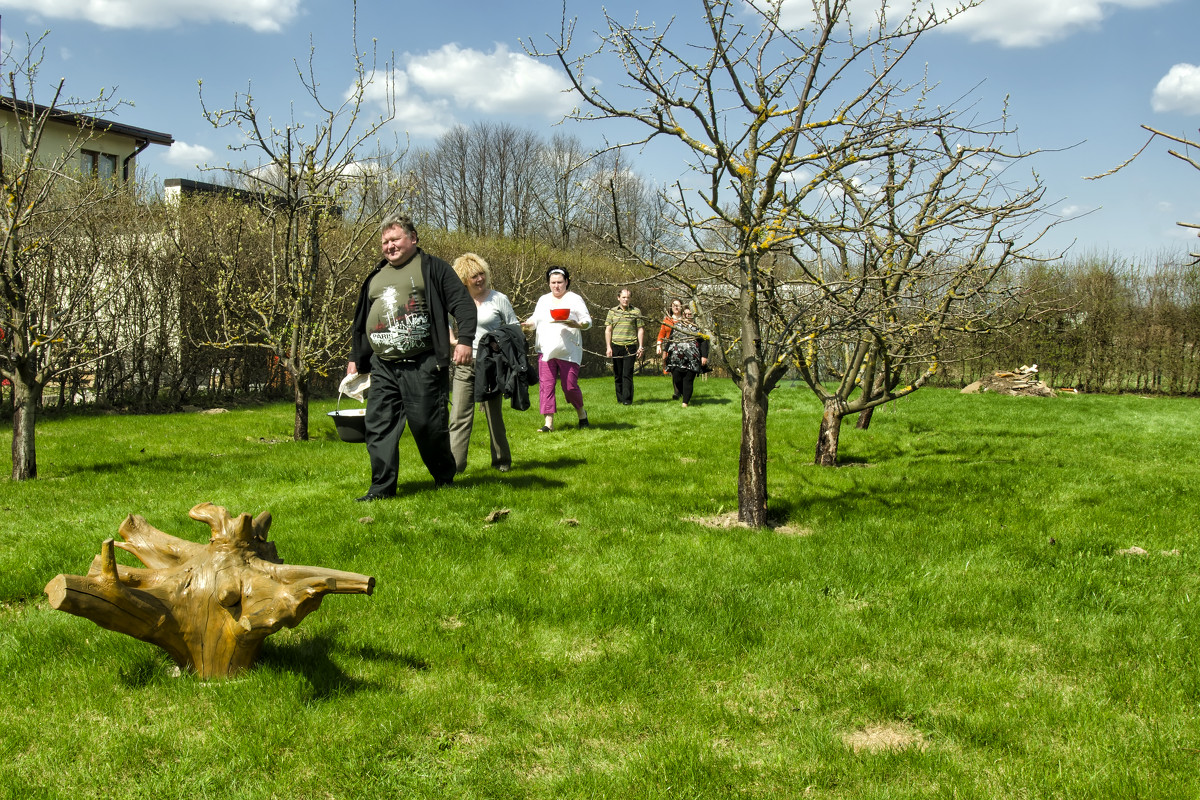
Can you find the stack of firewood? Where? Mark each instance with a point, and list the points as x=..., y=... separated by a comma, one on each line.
x=1020, y=382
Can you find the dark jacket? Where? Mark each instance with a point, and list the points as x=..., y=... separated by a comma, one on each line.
x=445, y=294
x=501, y=366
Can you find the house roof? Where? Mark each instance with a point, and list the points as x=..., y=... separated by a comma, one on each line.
x=86, y=121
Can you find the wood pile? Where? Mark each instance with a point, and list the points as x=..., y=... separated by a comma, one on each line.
x=1022, y=382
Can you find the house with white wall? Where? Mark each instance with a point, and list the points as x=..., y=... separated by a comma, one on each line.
x=109, y=149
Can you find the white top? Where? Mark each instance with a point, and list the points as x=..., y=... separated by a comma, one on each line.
x=493, y=311
x=555, y=340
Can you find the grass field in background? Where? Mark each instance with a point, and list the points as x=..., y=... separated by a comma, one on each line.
x=947, y=614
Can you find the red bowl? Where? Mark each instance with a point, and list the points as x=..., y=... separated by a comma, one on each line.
x=560, y=314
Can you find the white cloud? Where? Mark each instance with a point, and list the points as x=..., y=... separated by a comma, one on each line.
x=423, y=118
x=182, y=154
x=497, y=82
x=435, y=84
x=1010, y=23
x=1035, y=23
x=259, y=15
x=12, y=47
x=1179, y=90
x=417, y=115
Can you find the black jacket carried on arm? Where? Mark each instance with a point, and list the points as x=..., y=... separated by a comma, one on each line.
x=501, y=366
x=445, y=295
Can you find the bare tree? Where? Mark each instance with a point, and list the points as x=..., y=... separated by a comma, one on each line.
x=44, y=304
x=310, y=180
x=562, y=164
x=776, y=117
x=920, y=245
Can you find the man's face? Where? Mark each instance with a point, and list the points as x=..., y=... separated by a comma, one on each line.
x=623, y=299
x=398, y=245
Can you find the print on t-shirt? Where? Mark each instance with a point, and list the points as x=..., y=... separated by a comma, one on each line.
x=400, y=329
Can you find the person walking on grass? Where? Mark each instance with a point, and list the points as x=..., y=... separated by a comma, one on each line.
x=401, y=336
x=687, y=356
x=559, y=319
x=493, y=310
x=662, y=346
x=624, y=339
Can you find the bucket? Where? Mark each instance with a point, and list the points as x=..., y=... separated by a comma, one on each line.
x=351, y=423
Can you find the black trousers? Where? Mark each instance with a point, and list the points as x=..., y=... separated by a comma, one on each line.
x=624, y=359
x=417, y=393
x=682, y=380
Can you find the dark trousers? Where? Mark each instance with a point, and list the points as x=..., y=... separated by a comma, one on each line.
x=682, y=380
x=624, y=359
x=417, y=393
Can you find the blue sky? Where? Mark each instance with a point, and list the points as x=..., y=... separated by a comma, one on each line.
x=1080, y=77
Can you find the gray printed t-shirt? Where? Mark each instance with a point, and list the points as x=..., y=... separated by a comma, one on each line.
x=398, y=322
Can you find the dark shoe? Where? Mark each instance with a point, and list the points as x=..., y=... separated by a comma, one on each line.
x=545, y=429
x=674, y=397
x=371, y=497
x=443, y=484
x=583, y=423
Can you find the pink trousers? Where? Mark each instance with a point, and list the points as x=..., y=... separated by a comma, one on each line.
x=551, y=371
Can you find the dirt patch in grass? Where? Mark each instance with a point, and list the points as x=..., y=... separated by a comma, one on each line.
x=892, y=737
x=451, y=623
x=730, y=520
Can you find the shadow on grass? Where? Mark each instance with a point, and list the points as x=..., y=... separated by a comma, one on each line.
x=521, y=476
x=698, y=399
x=162, y=464
x=311, y=658
x=524, y=474
x=877, y=483
x=611, y=426
x=702, y=400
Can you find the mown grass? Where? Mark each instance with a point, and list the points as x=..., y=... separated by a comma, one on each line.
x=955, y=586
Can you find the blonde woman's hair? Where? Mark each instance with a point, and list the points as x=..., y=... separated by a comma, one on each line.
x=468, y=265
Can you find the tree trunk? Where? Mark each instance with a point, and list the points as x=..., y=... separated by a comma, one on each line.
x=24, y=450
x=300, y=429
x=831, y=429
x=878, y=385
x=752, y=464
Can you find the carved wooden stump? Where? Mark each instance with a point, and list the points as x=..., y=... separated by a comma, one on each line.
x=208, y=605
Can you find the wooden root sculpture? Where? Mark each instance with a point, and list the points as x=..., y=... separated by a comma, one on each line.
x=208, y=605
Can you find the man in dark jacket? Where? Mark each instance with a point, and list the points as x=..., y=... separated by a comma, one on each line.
x=401, y=336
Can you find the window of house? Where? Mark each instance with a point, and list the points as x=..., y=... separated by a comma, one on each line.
x=97, y=164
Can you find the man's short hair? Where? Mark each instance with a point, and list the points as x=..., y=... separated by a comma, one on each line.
x=398, y=220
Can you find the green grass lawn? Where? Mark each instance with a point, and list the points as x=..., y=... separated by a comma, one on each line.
x=945, y=615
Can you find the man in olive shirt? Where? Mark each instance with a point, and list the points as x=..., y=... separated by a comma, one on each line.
x=624, y=334
x=401, y=336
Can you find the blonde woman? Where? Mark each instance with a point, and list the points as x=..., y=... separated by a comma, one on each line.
x=492, y=309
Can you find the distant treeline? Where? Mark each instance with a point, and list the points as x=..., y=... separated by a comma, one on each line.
x=159, y=336
x=1106, y=324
